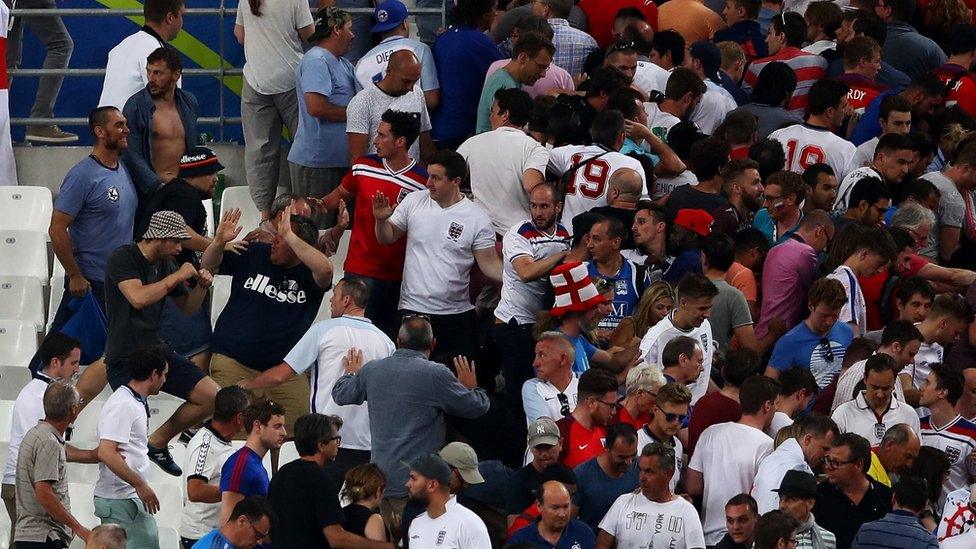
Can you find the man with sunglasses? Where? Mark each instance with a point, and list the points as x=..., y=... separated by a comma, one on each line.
x=669, y=413
x=819, y=342
x=247, y=527
x=874, y=410
x=850, y=497
x=727, y=455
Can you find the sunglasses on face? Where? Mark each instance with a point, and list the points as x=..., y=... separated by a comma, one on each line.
x=672, y=418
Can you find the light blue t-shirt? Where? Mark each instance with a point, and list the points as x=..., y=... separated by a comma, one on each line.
x=103, y=203
x=213, y=540
x=499, y=80
x=320, y=143
x=822, y=355
x=584, y=352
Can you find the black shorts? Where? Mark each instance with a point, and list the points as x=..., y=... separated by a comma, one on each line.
x=182, y=377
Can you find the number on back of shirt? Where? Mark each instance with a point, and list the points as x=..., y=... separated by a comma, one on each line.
x=592, y=177
x=809, y=154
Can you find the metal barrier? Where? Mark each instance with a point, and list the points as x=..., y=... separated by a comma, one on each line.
x=220, y=73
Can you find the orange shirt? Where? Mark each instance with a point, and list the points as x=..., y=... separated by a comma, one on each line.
x=692, y=19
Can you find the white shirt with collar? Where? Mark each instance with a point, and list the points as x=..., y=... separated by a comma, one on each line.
x=457, y=528
x=850, y=378
x=787, y=457
x=28, y=410
x=124, y=420
x=541, y=398
x=857, y=417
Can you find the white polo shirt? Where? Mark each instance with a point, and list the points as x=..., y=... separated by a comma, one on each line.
x=457, y=528
x=857, y=417
x=636, y=522
x=653, y=343
x=440, y=252
x=787, y=457
x=541, y=398
x=28, y=410
x=521, y=300
x=324, y=346
x=125, y=420
x=496, y=161
x=849, y=380
x=205, y=456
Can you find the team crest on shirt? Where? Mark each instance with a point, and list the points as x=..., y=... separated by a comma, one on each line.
x=952, y=453
x=576, y=545
x=620, y=287
x=440, y=537
x=112, y=194
x=455, y=230
x=403, y=193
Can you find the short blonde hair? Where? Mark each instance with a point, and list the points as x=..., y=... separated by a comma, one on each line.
x=731, y=54
x=645, y=377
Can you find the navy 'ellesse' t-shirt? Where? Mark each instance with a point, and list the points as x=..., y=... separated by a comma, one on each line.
x=269, y=309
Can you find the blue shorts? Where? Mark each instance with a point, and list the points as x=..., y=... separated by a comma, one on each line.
x=187, y=335
x=182, y=377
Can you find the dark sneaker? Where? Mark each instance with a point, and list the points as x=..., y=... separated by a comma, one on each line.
x=50, y=134
x=162, y=457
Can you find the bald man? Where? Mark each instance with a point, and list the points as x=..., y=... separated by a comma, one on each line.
x=555, y=527
x=106, y=536
x=625, y=190
x=398, y=90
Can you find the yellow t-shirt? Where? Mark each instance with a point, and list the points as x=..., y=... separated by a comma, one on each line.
x=877, y=471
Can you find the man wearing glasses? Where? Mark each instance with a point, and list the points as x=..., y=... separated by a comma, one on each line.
x=797, y=496
x=670, y=411
x=583, y=430
x=850, y=497
x=874, y=410
x=248, y=526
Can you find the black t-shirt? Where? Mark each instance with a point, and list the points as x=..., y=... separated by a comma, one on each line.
x=269, y=310
x=687, y=196
x=520, y=486
x=180, y=197
x=305, y=501
x=128, y=327
x=356, y=518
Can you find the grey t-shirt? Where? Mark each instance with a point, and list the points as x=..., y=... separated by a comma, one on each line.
x=952, y=211
x=729, y=311
x=41, y=459
x=128, y=327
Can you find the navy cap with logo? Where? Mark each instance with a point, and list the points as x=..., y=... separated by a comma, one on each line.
x=199, y=161
x=389, y=15
x=433, y=467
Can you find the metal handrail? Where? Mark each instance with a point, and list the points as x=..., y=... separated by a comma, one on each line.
x=219, y=72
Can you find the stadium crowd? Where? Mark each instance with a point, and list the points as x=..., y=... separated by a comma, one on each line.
x=620, y=274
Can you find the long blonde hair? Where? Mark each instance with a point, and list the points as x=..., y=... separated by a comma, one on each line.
x=642, y=313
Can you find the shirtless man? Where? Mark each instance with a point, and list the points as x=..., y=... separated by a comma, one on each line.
x=162, y=125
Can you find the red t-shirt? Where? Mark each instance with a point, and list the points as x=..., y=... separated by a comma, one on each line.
x=579, y=443
x=711, y=409
x=368, y=176
x=862, y=91
x=623, y=416
x=524, y=519
x=963, y=92
x=601, y=13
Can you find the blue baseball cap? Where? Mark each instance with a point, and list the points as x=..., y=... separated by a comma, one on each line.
x=389, y=15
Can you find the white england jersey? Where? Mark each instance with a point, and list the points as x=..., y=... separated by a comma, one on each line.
x=653, y=342
x=520, y=299
x=588, y=187
x=958, y=440
x=807, y=145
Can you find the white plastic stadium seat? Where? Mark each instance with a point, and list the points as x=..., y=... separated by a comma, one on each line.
x=240, y=197
x=83, y=503
x=219, y=295
x=170, y=504
x=25, y=208
x=57, y=292
x=169, y=538
x=21, y=298
x=6, y=420
x=24, y=253
x=288, y=453
x=160, y=409
x=18, y=342
x=12, y=380
x=208, y=207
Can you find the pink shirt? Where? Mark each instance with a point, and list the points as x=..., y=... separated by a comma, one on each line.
x=555, y=78
x=790, y=269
